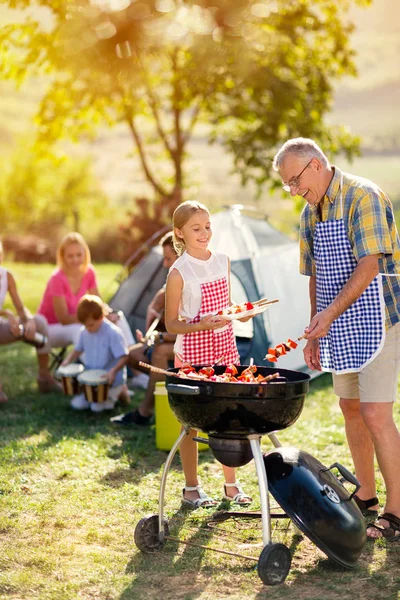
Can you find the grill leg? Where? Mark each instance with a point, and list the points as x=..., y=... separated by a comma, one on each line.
x=277, y=444
x=161, y=495
x=262, y=486
x=274, y=440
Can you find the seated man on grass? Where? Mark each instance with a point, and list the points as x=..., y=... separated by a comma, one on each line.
x=156, y=348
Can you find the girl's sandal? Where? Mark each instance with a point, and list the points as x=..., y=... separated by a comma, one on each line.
x=240, y=498
x=203, y=501
x=391, y=533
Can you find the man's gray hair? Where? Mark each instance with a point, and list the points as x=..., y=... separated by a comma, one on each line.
x=302, y=148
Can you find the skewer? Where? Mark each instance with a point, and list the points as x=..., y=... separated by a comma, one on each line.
x=218, y=361
x=154, y=369
x=269, y=377
x=264, y=302
x=301, y=337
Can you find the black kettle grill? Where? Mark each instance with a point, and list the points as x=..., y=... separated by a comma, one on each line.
x=235, y=416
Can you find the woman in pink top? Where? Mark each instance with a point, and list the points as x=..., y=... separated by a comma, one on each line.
x=73, y=278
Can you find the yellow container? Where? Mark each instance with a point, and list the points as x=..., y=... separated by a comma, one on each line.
x=168, y=427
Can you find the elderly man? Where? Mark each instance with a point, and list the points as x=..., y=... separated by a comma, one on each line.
x=350, y=249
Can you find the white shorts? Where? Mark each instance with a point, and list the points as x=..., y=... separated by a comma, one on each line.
x=377, y=382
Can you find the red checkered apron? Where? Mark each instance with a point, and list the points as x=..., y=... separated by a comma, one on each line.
x=206, y=347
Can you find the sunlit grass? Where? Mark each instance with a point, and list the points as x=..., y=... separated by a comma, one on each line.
x=72, y=488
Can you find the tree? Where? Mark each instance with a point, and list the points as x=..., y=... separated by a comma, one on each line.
x=40, y=193
x=256, y=72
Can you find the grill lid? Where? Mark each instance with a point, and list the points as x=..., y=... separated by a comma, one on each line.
x=317, y=503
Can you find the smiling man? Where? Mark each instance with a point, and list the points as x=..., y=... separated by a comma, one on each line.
x=350, y=249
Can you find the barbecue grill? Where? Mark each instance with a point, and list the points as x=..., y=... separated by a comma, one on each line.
x=235, y=416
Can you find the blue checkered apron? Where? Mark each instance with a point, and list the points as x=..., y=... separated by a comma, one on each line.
x=357, y=336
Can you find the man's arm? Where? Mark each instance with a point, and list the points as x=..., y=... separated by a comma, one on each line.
x=156, y=308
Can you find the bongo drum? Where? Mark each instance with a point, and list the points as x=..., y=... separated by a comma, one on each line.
x=69, y=378
x=94, y=384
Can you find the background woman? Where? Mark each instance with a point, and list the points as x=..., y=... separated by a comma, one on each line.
x=10, y=323
x=73, y=278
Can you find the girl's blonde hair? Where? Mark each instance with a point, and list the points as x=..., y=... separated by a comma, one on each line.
x=1, y=251
x=181, y=216
x=72, y=238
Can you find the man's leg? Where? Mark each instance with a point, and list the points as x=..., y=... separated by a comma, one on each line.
x=378, y=391
x=378, y=417
x=346, y=386
x=361, y=447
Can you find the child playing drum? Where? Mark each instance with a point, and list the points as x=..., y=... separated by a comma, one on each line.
x=103, y=346
x=198, y=285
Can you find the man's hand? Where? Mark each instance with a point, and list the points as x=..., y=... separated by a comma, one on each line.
x=311, y=355
x=319, y=326
x=139, y=336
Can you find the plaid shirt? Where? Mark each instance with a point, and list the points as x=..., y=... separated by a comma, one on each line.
x=371, y=229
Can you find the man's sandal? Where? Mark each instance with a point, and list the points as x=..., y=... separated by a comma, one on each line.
x=364, y=506
x=203, y=501
x=391, y=533
x=239, y=498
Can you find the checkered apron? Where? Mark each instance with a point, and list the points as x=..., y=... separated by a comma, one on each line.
x=357, y=336
x=206, y=347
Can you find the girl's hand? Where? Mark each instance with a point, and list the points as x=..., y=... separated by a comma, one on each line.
x=212, y=322
x=14, y=323
x=30, y=329
x=113, y=317
x=245, y=319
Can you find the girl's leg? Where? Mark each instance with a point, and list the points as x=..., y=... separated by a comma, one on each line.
x=232, y=491
x=230, y=477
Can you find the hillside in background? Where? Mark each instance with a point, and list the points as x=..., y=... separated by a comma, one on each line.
x=368, y=106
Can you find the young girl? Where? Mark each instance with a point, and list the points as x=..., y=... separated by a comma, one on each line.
x=199, y=284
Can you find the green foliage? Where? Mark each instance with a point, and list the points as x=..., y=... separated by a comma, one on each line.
x=39, y=191
x=255, y=72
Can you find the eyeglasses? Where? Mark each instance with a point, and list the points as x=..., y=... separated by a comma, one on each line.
x=294, y=183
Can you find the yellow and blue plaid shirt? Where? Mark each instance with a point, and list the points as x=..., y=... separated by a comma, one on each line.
x=371, y=229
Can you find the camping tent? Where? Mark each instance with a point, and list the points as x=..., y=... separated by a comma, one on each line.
x=264, y=263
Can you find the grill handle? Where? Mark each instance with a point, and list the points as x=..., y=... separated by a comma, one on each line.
x=346, y=474
x=183, y=390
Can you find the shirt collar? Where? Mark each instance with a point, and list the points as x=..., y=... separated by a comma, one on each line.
x=331, y=193
x=334, y=187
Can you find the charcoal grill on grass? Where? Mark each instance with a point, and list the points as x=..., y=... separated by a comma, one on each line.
x=236, y=416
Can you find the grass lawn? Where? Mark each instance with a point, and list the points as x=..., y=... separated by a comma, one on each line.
x=72, y=488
